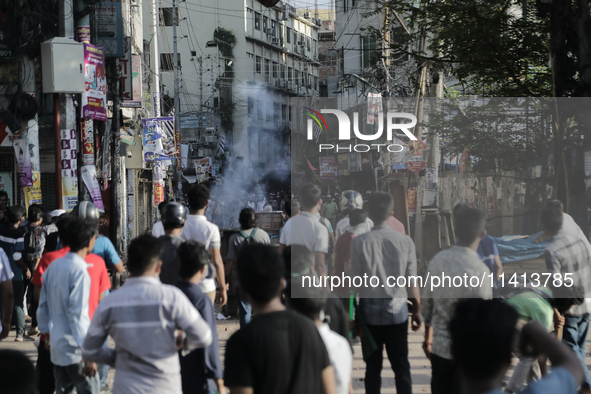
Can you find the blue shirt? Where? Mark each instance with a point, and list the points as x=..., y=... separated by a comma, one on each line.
x=487, y=250
x=201, y=366
x=12, y=240
x=559, y=380
x=63, y=308
x=104, y=248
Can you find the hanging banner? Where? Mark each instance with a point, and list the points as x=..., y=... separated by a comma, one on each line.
x=178, y=148
x=343, y=159
x=203, y=167
x=418, y=159
x=136, y=98
x=32, y=135
x=69, y=193
x=412, y=199
x=329, y=168
x=23, y=158
x=158, y=138
x=374, y=107
x=158, y=192
x=353, y=162
x=33, y=193
x=124, y=71
x=69, y=154
x=109, y=27
x=431, y=178
x=106, y=171
x=94, y=97
x=130, y=205
x=91, y=182
x=398, y=156
x=87, y=142
x=83, y=34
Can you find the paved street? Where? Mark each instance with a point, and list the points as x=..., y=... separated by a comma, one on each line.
x=421, y=368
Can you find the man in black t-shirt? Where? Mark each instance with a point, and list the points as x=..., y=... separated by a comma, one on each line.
x=279, y=351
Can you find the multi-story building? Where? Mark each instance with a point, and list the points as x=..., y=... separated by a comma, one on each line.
x=275, y=58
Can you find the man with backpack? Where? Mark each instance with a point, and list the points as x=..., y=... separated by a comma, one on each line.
x=249, y=234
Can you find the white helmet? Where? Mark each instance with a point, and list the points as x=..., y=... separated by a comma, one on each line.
x=350, y=199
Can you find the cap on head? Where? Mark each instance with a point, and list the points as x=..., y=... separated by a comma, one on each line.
x=86, y=210
x=174, y=213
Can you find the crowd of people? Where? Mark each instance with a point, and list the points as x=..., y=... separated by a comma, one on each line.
x=293, y=338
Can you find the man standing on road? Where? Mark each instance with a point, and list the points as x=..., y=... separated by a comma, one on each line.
x=350, y=199
x=144, y=318
x=568, y=257
x=199, y=229
x=63, y=311
x=439, y=304
x=382, y=252
x=249, y=234
x=305, y=229
x=174, y=216
x=279, y=351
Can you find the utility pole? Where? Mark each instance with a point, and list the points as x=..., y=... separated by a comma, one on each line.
x=177, y=100
x=157, y=172
x=200, y=94
x=386, y=44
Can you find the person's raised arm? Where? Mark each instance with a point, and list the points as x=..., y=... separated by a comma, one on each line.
x=536, y=340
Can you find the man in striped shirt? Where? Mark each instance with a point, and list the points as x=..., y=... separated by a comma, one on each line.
x=148, y=321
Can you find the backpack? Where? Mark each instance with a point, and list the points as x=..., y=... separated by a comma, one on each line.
x=30, y=243
x=248, y=239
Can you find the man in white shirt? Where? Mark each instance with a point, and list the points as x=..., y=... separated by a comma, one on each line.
x=6, y=294
x=338, y=348
x=145, y=318
x=158, y=229
x=305, y=229
x=199, y=229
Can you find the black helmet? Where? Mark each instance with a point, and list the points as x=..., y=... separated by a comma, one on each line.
x=86, y=210
x=174, y=213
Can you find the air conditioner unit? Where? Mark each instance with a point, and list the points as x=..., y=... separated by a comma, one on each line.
x=307, y=15
x=270, y=32
x=285, y=15
x=277, y=83
x=318, y=22
x=282, y=83
x=275, y=40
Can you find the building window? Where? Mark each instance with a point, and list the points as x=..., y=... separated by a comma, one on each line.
x=276, y=112
x=288, y=34
x=308, y=43
x=289, y=74
x=297, y=77
x=267, y=66
x=283, y=112
x=166, y=16
x=265, y=23
x=368, y=48
x=269, y=111
x=275, y=66
x=345, y=5
x=295, y=37
x=166, y=61
x=257, y=21
x=316, y=83
x=259, y=109
x=282, y=71
x=258, y=65
x=274, y=28
x=303, y=75
x=250, y=107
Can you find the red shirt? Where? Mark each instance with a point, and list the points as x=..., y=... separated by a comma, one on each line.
x=396, y=225
x=97, y=269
